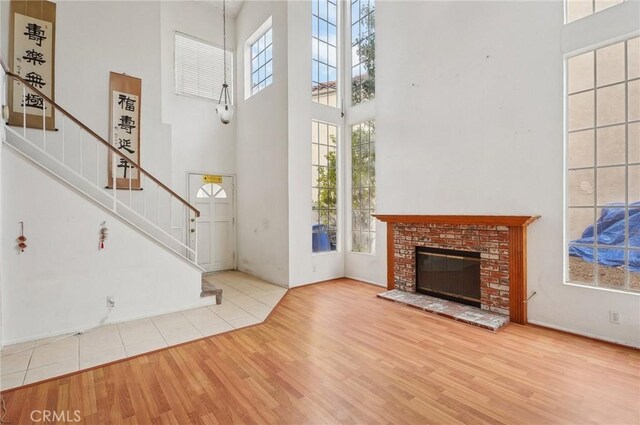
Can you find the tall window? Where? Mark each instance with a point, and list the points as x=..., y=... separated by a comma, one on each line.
x=324, y=186
x=363, y=51
x=261, y=63
x=199, y=67
x=577, y=9
x=363, y=187
x=603, y=159
x=325, y=52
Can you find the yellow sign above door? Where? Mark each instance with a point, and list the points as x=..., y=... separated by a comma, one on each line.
x=210, y=178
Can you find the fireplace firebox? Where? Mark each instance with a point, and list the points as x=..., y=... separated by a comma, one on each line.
x=449, y=274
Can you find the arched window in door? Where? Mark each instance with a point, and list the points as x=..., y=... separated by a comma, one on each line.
x=211, y=190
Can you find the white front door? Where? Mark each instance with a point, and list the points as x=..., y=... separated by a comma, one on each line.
x=216, y=233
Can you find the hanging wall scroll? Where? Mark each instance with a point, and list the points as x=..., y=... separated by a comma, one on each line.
x=124, y=129
x=32, y=56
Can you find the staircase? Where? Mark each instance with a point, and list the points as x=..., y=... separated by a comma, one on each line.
x=79, y=157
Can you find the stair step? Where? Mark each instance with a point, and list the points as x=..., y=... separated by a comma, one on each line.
x=210, y=290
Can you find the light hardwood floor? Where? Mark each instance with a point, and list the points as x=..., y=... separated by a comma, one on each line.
x=334, y=353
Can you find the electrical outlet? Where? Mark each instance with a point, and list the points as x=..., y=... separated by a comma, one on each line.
x=111, y=302
x=614, y=316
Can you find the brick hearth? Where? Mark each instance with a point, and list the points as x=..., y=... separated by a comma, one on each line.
x=500, y=240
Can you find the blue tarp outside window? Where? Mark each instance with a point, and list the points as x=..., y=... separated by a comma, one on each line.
x=611, y=234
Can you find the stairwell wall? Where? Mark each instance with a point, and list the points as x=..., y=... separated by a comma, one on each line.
x=60, y=283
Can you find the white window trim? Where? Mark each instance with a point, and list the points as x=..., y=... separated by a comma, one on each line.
x=354, y=114
x=584, y=48
x=339, y=183
x=262, y=29
x=333, y=116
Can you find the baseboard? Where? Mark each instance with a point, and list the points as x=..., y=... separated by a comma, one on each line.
x=201, y=302
x=581, y=334
x=370, y=282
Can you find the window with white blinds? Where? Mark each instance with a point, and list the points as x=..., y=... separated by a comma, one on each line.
x=199, y=67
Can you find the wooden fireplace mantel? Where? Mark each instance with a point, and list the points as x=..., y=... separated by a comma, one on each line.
x=487, y=220
x=517, y=225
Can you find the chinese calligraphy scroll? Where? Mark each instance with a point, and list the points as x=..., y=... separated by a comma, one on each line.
x=32, y=57
x=124, y=130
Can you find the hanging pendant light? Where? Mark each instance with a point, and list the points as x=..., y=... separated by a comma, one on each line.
x=224, y=110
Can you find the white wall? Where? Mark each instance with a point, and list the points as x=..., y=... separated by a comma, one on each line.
x=61, y=281
x=470, y=121
x=262, y=145
x=200, y=142
x=92, y=39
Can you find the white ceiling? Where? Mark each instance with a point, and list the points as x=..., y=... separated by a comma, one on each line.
x=233, y=6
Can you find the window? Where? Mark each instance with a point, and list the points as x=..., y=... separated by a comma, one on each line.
x=211, y=190
x=363, y=51
x=324, y=186
x=199, y=67
x=325, y=52
x=577, y=9
x=363, y=187
x=261, y=63
x=603, y=161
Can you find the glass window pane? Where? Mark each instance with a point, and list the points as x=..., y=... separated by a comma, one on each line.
x=634, y=234
x=603, y=4
x=611, y=187
x=611, y=145
x=610, y=64
x=581, y=188
x=634, y=143
x=580, y=70
x=577, y=9
x=633, y=58
x=581, y=111
x=579, y=220
x=581, y=270
x=634, y=183
x=581, y=149
x=268, y=37
x=634, y=276
x=610, y=105
x=634, y=100
x=609, y=270
x=610, y=226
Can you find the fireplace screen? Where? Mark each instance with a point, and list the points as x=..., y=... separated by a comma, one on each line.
x=449, y=274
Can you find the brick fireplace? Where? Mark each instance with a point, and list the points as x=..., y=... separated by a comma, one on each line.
x=500, y=240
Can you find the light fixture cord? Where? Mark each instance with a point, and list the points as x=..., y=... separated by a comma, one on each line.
x=224, y=37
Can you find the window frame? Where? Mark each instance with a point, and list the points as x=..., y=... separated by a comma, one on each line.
x=338, y=56
x=593, y=10
x=265, y=27
x=373, y=244
x=625, y=289
x=338, y=187
x=350, y=44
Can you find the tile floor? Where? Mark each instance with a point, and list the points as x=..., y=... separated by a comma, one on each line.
x=246, y=301
x=464, y=313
